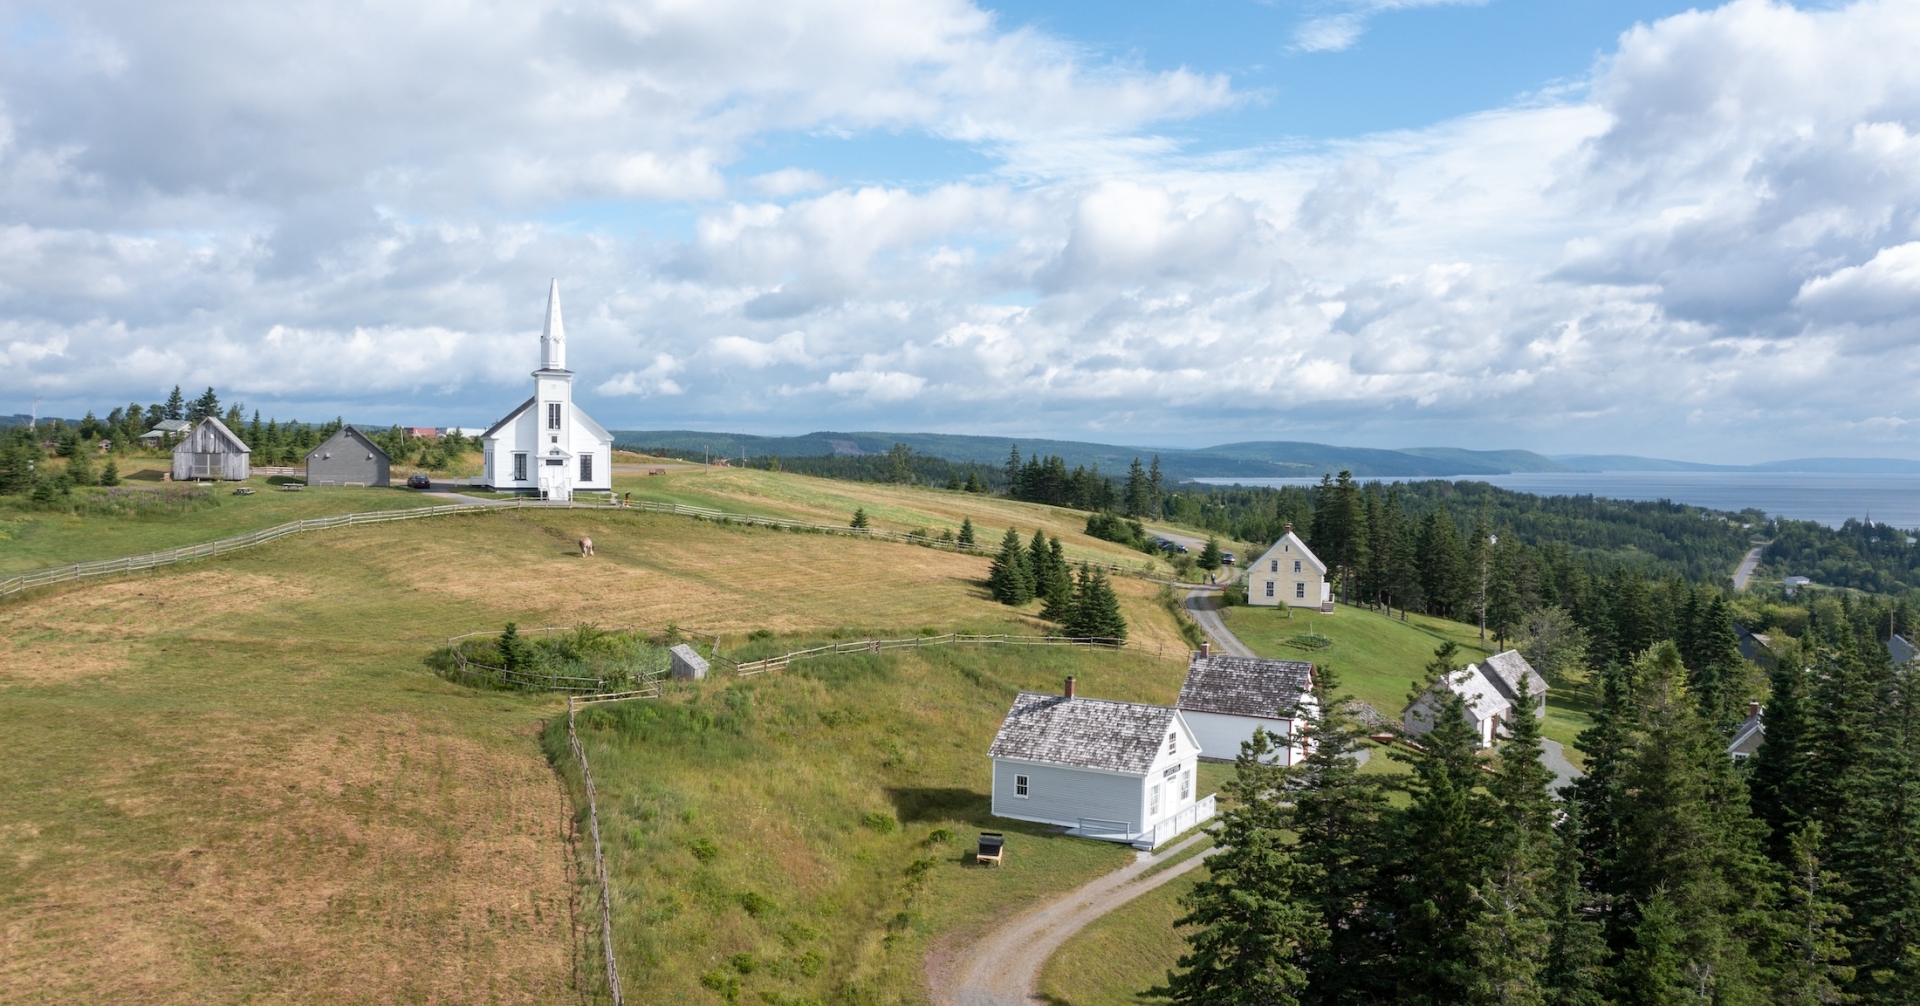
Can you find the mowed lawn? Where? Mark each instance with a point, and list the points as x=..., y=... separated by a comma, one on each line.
x=233, y=780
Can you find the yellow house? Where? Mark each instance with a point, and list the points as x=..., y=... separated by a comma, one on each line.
x=1290, y=574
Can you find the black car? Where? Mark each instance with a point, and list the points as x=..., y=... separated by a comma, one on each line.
x=419, y=480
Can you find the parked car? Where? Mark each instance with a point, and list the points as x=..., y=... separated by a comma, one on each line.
x=419, y=480
x=1227, y=558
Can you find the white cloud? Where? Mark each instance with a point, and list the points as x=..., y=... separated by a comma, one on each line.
x=1332, y=32
x=356, y=211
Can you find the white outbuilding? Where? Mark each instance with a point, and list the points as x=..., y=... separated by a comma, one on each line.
x=1114, y=771
x=1289, y=574
x=1225, y=699
x=1494, y=691
x=549, y=446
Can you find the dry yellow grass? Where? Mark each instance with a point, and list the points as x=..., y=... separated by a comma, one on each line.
x=238, y=784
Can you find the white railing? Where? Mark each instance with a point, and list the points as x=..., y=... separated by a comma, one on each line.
x=1186, y=820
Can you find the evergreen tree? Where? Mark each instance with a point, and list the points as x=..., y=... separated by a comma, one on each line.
x=1254, y=923
x=1059, y=593
x=1337, y=814
x=1480, y=566
x=953, y=482
x=176, y=407
x=1210, y=554
x=207, y=405
x=1443, y=573
x=80, y=466
x=859, y=518
x=513, y=649
x=17, y=466
x=1815, y=972
x=1427, y=887
x=1575, y=972
x=1138, y=497
x=1656, y=970
x=1013, y=469
x=1040, y=566
x=1008, y=578
x=966, y=538
x=1779, y=786
x=1096, y=608
x=1156, y=489
x=973, y=483
x=110, y=474
x=1512, y=933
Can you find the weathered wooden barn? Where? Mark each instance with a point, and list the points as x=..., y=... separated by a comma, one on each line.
x=211, y=452
x=348, y=458
x=1226, y=698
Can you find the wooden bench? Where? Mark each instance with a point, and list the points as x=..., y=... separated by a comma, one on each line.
x=993, y=845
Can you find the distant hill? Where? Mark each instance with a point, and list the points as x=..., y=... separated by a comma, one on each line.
x=1257, y=459
x=1831, y=466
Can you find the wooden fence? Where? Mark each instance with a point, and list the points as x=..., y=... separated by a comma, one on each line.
x=752, y=667
x=153, y=560
x=599, y=860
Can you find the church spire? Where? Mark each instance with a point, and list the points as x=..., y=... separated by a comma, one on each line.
x=553, y=341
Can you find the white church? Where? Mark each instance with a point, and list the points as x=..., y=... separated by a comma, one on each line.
x=548, y=446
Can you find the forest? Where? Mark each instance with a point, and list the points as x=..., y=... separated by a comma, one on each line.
x=1669, y=873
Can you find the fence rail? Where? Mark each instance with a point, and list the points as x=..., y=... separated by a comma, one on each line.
x=599, y=860
x=752, y=667
x=153, y=560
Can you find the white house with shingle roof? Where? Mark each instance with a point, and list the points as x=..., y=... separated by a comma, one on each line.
x=1226, y=698
x=1493, y=690
x=1115, y=771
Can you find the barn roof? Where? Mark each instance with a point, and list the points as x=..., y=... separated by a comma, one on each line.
x=211, y=436
x=345, y=433
x=1245, y=686
x=1514, y=676
x=1122, y=737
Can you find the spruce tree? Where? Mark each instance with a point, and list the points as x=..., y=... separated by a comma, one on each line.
x=1040, y=565
x=80, y=465
x=1138, y=495
x=1779, y=786
x=1156, y=489
x=1254, y=923
x=1815, y=972
x=110, y=474
x=966, y=538
x=176, y=407
x=1575, y=971
x=1443, y=574
x=859, y=518
x=1656, y=969
x=1511, y=935
x=1059, y=593
x=513, y=649
x=1008, y=578
x=1210, y=554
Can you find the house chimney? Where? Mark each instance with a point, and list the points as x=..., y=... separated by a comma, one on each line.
x=1069, y=686
x=1289, y=529
x=1206, y=647
x=1753, y=709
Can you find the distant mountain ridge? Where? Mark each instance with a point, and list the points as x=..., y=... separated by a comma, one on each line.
x=1825, y=466
x=1255, y=459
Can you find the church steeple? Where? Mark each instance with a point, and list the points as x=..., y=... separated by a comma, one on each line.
x=553, y=341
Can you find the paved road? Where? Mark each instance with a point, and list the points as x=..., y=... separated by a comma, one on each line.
x=1002, y=968
x=1747, y=566
x=1204, y=604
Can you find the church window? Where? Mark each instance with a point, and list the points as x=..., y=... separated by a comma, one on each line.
x=519, y=467
x=553, y=415
x=586, y=468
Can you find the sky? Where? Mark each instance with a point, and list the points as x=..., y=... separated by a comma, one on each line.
x=1569, y=226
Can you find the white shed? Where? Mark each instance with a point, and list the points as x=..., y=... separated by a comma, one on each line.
x=1224, y=699
x=1493, y=690
x=1114, y=771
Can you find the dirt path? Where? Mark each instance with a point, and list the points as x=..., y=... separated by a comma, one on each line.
x=1205, y=606
x=1002, y=968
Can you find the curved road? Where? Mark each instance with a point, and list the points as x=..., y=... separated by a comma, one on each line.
x=1003, y=968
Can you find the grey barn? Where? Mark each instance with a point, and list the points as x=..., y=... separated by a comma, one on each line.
x=211, y=451
x=348, y=458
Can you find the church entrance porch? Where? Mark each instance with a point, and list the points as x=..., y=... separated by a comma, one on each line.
x=554, y=483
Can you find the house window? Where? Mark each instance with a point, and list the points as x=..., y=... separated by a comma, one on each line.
x=1299, y=591
x=1269, y=588
x=1296, y=565
x=1020, y=785
x=1275, y=567
x=1186, y=785
x=1153, y=800
x=1173, y=743
x=586, y=468
x=519, y=467
x=553, y=415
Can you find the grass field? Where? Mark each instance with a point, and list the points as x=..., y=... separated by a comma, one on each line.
x=1117, y=959
x=1379, y=658
x=233, y=781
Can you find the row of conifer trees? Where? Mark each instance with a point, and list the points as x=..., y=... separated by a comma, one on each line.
x=1084, y=603
x=1668, y=874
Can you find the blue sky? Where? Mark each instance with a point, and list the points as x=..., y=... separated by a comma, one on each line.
x=1561, y=225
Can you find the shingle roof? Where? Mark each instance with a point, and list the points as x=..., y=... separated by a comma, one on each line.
x=1084, y=733
x=1513, y=675
x=1245, y=686
x=211, y=436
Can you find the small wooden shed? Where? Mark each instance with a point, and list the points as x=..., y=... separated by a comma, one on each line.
x=211, y=451
x=348, y=458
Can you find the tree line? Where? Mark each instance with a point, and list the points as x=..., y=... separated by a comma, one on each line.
x=1084, y=604
x=1669, y=873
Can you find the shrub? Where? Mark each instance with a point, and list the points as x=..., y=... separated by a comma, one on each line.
x=1113, y=527
x=880, y=822
x=743, y=963
x=753, y=903
x=703, y=849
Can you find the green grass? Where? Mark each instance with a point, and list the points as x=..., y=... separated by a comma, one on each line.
x=791, y=816
x=1122, y=955
x=33, y=539
x=234, y=779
